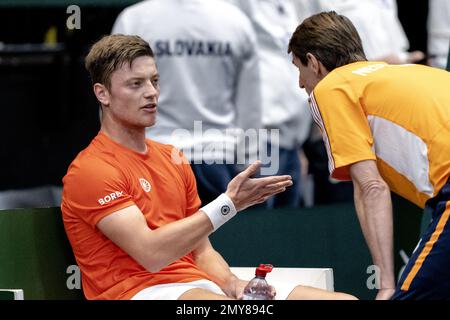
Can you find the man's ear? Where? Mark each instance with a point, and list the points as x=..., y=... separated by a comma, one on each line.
x=102, y=94
x=316, y=65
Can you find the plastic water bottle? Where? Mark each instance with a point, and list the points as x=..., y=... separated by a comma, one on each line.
x=258, y=288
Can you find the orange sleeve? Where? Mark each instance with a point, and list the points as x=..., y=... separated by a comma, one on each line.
x=95, y=190
x=337, y=110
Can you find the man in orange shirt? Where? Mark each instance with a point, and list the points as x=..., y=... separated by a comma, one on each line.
x=385, y=127
x=130, y=205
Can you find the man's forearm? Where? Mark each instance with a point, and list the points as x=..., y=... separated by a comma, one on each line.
x=374, y=208
x=211, y=262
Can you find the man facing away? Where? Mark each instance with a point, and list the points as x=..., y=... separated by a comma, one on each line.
x=386, y=127
x=130, y=205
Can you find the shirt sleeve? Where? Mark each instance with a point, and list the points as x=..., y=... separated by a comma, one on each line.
x=95, y=190
x=345, y=129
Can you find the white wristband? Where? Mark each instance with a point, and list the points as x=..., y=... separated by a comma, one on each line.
x=220, y=210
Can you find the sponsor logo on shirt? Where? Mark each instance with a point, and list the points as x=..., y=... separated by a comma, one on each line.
x=110, y=197
x=145, y=184
x=369, y=69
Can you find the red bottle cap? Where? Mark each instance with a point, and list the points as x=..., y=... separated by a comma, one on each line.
x=263, y=269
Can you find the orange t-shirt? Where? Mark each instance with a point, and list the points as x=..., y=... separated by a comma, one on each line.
x=107, y=177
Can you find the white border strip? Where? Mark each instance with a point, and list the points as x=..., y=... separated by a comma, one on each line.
x=319, y=121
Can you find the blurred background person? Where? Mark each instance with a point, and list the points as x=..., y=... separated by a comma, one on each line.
x=206, y=53
x=438, y=32
x=378, y=25
x=284, y=107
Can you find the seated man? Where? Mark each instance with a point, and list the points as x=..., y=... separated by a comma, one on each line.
x=130, y=205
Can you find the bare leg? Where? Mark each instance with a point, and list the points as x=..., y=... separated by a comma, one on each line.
x=310, y=293
x=202, y=294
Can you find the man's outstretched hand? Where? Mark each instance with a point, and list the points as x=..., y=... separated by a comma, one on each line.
x=245, y=191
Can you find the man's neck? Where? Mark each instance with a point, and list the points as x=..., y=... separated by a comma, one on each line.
x=132, y=138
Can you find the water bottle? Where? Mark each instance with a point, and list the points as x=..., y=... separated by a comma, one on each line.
x=258, y=288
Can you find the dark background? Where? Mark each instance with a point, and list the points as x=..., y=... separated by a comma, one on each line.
x=48, y=110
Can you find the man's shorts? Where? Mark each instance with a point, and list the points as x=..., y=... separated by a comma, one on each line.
x=173, y=291
x=427, y=274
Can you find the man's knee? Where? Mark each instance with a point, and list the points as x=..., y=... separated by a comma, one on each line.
x=202, y=294
x=309, y=293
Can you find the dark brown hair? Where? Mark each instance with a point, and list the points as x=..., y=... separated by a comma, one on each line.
x=330, y=37
x=111, y=52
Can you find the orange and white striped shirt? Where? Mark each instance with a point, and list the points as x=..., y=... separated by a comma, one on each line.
x=398, y=115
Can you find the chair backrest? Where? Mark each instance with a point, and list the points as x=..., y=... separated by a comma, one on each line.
x=314, y=277
x=35, y=254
